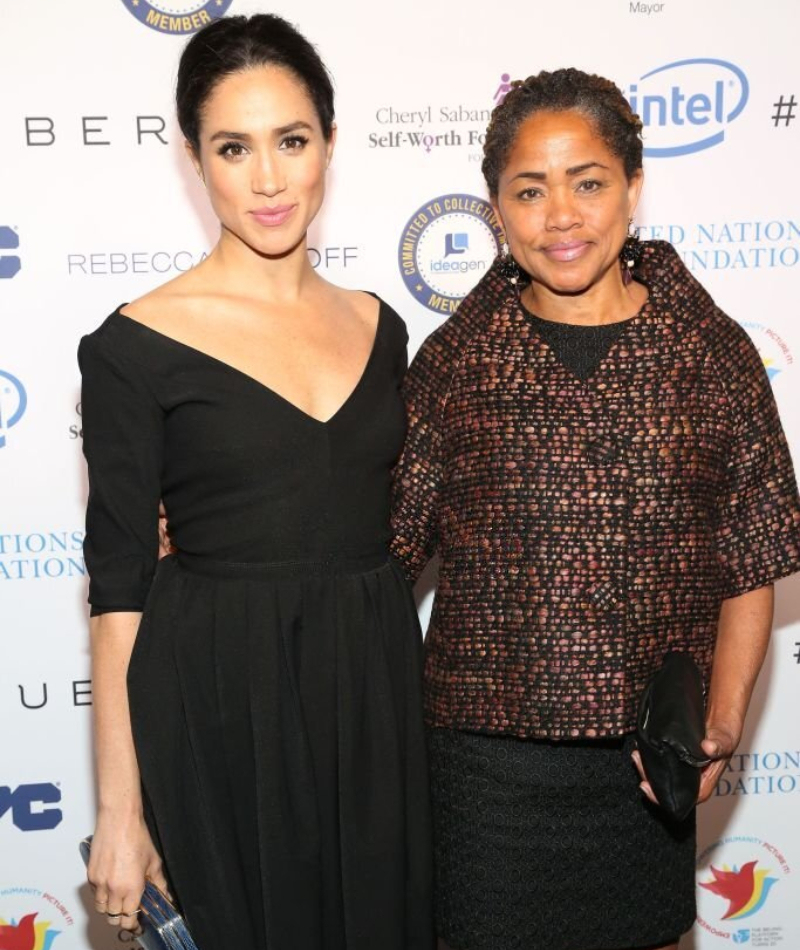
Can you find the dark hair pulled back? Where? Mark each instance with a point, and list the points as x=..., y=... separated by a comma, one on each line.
x=234, y=44
x=563, y=90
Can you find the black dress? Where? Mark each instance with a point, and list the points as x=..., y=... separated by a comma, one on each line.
x=275, y=680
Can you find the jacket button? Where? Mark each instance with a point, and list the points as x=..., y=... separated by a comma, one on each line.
x=601, y=450
x=603, y=595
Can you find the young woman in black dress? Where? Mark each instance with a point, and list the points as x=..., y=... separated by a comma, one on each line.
x=266, y=761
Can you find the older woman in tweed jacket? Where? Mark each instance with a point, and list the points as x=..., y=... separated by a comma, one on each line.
x=599, y=464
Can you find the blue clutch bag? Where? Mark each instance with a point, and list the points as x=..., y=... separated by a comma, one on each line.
x=162, y=927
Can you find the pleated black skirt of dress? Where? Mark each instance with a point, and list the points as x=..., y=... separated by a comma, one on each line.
x=277, y=715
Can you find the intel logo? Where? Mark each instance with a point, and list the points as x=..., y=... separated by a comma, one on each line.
x=686, y=106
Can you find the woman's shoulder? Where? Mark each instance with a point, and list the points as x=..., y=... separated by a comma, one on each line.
x=134, y=333
x=376, y=310
x=166, y=308
x=733, y=355
x=685, y=296
x=392, y=318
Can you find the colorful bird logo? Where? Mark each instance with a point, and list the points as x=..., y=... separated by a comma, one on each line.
x=770, y=367
x=745, y=890
x=26, y=935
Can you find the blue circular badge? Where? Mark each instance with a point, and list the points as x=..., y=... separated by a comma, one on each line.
x=447, y=245
x=177, y=16
x=13, y=403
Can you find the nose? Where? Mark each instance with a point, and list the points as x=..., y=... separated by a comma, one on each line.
x=268, y=175
x=563, y=212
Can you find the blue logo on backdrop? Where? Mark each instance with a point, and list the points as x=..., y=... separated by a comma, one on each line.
x=776, y=772
x=26, y=806
x=447, y=245
x=41, y=555
x=178, y=17
x=13, y=403
x=9, y=241
x=686, y=106
x=455, y=243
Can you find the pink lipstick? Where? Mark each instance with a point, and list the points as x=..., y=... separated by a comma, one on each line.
x=566, y=251
x=272, y=217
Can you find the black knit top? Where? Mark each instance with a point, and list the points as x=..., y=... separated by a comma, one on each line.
x=580, y=348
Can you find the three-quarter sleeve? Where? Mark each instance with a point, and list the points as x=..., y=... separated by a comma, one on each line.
x=758, y=535
x=123, y=445
x=416, y=481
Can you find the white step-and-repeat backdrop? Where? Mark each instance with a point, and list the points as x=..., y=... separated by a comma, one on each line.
x=98, y=205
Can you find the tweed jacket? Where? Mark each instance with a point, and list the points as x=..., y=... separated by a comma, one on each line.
x=586, y=527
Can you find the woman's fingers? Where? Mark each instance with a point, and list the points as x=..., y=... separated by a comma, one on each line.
x=155, y=874
x=129, y=921
x=100, y=901
x=644, y=785
x=117, y=893
x=123, y=906
x=719, y=744
x=164, y=542
x=709, y=777
x=122, y=859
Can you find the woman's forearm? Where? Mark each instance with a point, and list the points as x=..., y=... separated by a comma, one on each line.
x=745, y=624
x=743, y=635
x=113, y=636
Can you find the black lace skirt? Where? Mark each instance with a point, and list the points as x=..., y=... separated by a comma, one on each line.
x=551, y=846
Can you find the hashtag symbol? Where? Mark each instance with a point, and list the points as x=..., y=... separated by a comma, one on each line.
x=797, y=655
x=784, y=111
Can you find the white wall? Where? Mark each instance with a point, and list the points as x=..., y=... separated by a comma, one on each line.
x=98, y=224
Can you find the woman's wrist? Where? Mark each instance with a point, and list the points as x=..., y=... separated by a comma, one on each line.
x=120, y=811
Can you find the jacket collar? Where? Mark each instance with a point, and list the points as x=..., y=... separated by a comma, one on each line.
x=676, y=297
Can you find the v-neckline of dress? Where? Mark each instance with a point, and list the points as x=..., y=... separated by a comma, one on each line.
x=229, y=367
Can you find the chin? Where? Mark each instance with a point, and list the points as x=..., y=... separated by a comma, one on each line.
x=567, y=283
x=277, y=244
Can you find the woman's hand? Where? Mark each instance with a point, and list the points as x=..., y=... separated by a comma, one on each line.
x=745, y=623
x=719, y=745
x=645, y=787
x=165, y=545
x=122, y=859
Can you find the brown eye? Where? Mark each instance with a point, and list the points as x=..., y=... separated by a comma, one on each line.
x=231, y=149
x=293, y=143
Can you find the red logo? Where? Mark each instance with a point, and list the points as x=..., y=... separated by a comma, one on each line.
x=21, y=936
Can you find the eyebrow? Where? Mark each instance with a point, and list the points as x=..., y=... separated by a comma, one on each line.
x=571, y=172
x=244, y=137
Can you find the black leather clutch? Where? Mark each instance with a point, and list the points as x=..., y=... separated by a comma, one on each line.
x=670, y=728
x=162, y=927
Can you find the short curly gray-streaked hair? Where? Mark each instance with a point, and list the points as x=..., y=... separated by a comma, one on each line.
x=562, y=90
